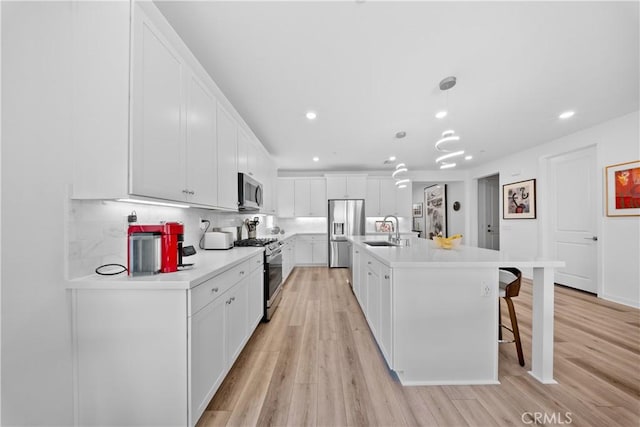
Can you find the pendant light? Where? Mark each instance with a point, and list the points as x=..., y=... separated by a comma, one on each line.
x=448, y=135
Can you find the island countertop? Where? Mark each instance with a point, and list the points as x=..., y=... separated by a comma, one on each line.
x=422, y=253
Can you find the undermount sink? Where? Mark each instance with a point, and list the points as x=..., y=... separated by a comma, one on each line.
x=379, y=243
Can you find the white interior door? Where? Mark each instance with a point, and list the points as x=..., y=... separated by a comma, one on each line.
x=489, y=212
x=572, y=184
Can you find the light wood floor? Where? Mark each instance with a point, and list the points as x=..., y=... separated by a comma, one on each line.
x=316, y=363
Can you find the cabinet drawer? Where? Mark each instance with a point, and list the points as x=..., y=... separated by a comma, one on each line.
x=372, y=264
x=208, y=291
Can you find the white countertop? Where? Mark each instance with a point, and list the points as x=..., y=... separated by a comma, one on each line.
x=207, y=264
x=421, y=254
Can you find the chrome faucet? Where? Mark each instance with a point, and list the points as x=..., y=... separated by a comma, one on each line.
x=396, y=239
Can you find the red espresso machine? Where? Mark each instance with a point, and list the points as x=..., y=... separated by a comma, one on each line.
x=154, y=248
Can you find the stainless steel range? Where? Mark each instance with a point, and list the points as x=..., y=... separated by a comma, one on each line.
x=272, y=272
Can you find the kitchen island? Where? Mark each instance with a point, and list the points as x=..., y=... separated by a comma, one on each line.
x=434, y=312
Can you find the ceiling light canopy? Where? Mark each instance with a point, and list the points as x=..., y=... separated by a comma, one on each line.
x=567, y=114
x=401, y=134
x=311, y=115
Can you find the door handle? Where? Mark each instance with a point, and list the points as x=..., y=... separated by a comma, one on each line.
x=594, y=238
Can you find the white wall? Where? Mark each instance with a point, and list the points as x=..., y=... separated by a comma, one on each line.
x=36, y=97
x=616, y=141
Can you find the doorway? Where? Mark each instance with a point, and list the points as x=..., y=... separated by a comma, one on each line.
x=573, y=212
x=489, y=212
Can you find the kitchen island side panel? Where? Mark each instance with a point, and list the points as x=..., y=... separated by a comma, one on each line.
x=445, y=325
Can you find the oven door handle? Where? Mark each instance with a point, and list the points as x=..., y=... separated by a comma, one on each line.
x=274, y=254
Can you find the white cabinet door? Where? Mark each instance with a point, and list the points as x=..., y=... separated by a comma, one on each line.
x=355, y=271
x=256, y=297
x=237, y=318
x=208, y=355
x=372, y=201
x=384, y=333
x=373, y=300
x=318, y=202
x=201, y=157
x=302, y=198
x=319, y=250
x=346, y=187
x=157, y=163
x=336, y=187
x=243, y=151
x=288, y=258
x=286, y=197
x=304, y=252
x=388, y=196
x=404, y=202
x=227, y=160
x=356, y=186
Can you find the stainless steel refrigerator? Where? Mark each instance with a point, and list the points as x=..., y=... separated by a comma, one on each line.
x=346, y=218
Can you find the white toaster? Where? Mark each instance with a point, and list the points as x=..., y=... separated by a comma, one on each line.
x=218, y=240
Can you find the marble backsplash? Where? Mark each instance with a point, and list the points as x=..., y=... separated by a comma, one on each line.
x=97, y=229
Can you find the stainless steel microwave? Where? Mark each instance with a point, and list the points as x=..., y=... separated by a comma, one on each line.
x=249, y=193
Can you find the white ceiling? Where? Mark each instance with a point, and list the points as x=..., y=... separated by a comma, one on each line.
x=371, y=69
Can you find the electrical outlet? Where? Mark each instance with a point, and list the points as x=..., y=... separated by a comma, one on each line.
x=203, y=225
x=485, y=290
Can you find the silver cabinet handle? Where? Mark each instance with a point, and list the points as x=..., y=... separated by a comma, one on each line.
x=357, y=252
x=369, y=262
x=214, y=289
x=228, y=302
x=185, y=191
x=594, y=238
x=386, y=276
x=242, y=273
x=233, y=299
x=192, y=192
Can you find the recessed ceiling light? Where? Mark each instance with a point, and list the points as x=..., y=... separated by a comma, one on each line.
x=311, y=115
x=392, y=158
x=316, y=159
x=441, y=114
x=401, y=134
x=567, y=114
x=448, y=165
x=468, y=157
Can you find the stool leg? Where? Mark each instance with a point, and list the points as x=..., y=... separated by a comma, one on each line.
x=499, y=320
x=516, y=331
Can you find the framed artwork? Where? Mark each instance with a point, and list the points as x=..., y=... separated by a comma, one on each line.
x=519, y=200
x=384, y=226
x=623, y=189
x=417, y=210
x=435, y=201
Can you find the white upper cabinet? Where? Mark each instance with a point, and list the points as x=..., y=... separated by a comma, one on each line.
x=201, y=153
x=270, y=186
x=227, y=160
x=384, y=198
x=286, y=197
x=158, y=149
x=310, y=197
x=346, y=186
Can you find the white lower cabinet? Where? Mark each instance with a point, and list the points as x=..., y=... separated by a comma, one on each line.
x=373, y=290
x=311, y=249
x=157, y=356
x=288, y=258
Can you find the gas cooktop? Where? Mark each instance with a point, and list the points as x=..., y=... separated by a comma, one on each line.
x=255, y=242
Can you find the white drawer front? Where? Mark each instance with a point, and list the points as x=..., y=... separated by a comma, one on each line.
x=208, y=291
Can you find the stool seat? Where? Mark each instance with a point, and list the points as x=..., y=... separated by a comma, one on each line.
x=509, y=287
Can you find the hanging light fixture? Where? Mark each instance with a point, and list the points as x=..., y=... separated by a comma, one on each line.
x=450, y=134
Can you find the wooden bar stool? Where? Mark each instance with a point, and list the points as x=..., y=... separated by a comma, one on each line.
x=510, y=278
